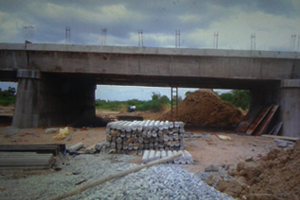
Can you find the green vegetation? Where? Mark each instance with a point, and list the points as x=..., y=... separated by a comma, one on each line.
x=156, y=104
x=187, y=93
x=238, y=98
x=7, y=97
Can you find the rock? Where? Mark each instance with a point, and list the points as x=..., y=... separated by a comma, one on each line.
x=206, y=135
x=76, y=172
x=208, y=169
x=51, y=130
x=212, y=168
x=204, y=176
x=188, y=135
x=197, y=136
x=282, y=143
x=248, y=158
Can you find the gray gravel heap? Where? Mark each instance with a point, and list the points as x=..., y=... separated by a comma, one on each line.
x=166, y=181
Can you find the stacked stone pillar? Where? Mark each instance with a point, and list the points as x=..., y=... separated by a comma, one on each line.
x=127, y=136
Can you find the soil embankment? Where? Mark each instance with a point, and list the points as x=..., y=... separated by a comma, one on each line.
x=205, y=108
x=275, y=176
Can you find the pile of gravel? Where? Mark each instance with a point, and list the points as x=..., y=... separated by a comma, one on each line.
x=166, y=181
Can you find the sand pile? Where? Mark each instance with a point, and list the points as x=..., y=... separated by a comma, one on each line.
x=276, y=176
x=204, y=107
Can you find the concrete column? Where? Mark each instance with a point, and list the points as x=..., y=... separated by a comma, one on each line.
x=26, y=106
x=290, y=107
x=45, y=100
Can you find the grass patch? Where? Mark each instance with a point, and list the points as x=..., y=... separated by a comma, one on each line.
x=156, y=104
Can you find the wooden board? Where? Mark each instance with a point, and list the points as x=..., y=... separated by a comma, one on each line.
x=248, y=119
x=281, y=137
x=261, y=115
x=39, y=148
x=266, y=121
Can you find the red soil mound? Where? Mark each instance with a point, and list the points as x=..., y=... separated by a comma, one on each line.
x=276, y=176
x=204, y=107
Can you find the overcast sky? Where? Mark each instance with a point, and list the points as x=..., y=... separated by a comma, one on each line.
x=272, y=21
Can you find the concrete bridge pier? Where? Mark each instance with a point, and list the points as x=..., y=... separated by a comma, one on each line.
x=48, y=99
x=290, y=107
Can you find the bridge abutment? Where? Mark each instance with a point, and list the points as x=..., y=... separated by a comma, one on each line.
x=45, y=99
x=290, y=107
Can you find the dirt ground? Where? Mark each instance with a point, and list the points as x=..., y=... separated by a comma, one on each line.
x=205, y=151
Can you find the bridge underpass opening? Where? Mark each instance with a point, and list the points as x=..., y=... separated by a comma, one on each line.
x=7, y=102
x=132, y=95
x=52, y=99
x=129, y=95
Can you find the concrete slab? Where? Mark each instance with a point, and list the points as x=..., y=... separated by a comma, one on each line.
x=145, y=156
x=151, y=156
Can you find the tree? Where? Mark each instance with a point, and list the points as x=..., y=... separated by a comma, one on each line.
x=8, y=97
x=241, y=99
x=238, y=98
x=155, y=96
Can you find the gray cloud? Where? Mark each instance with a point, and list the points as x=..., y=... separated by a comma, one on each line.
x=50, y=18
x=273, y=21
x=124, y=18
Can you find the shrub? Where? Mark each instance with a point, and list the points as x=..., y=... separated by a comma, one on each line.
x=238, y=98
x=8, y=97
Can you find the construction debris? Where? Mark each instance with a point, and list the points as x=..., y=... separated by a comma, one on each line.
x=76, y=147
x=256, y=122
x=28, y=160
x=212, y=168
x=276, y=129
x=127, y=136
x=100, y=146
x=63, y=133
x=248, y=119
x=38, y=148
x=192, y=135
x=151, y=155
x=90, y=149
x=224, y=137
x=282, y=143
x=282, y=137
x=258, y=119
x=51, y=130
x=266, y=121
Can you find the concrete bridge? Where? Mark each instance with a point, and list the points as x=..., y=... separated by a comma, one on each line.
x=56, y=83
